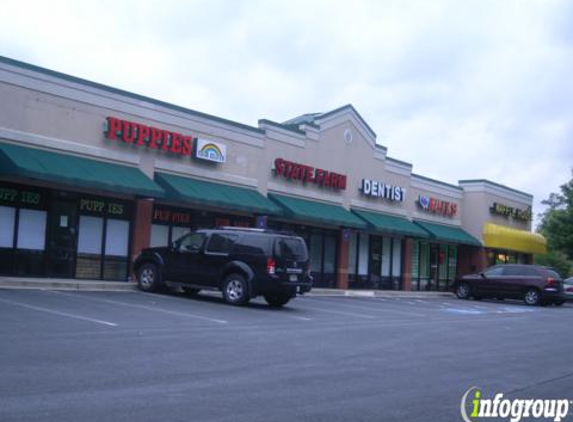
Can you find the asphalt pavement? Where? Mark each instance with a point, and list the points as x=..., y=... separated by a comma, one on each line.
x=129, y=356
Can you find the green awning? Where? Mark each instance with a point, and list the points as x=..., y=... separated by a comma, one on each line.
x=391, y=224
x=46, y=166
x=302, y=209
x=448, y=233
x=217, y=195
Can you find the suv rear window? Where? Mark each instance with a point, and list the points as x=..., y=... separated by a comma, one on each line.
x=553, y=274
x=291, y=248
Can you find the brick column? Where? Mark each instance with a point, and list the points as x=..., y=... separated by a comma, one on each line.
x=141, y=230
x=407, y=246
x=342, y=259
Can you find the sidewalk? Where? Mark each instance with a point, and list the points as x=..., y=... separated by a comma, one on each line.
x=114, y=286
x=388, y=294
x=65, y=284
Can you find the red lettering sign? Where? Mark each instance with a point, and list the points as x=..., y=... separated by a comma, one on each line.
x=438, y=206
x=307, y=174
x=148, y=136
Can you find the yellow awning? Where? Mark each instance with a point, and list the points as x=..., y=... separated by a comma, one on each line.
x=501, y=237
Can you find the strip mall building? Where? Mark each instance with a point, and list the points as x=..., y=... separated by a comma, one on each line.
x=90, y=175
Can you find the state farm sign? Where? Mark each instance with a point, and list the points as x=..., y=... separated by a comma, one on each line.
x=307, y=174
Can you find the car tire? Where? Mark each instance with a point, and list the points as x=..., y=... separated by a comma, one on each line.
x=559, y=302
x=463, y=291
x=148, y=278
x=190, y=291
x=277, y=300
x=236, y=290
x=532, y=297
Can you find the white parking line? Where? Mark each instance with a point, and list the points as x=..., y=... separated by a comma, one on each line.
x=148, y=308
x=374, y=309
x=65, y=314
x=314, y=308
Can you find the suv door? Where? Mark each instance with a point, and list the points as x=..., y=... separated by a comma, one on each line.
x=516, y=278
x=490, y=282
x=216, y=256
x=186, y=258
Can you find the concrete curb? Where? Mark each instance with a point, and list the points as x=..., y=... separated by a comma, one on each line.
x=64, y=284
x=387, y=294
x=114, y=286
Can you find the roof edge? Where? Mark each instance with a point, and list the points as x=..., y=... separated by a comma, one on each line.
x=351, y=108
x=436, y=181
x=498, y=185
x=118, y=91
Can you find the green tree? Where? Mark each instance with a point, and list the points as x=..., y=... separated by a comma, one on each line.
x=555, y=260
x=557, y=227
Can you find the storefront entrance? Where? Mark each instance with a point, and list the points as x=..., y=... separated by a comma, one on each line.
x=61, y=247
x=434, y=266
x=60, y=234
x=374, y=262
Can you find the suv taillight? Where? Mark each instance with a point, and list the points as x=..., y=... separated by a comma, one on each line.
x=271, y=265
x=550, y=282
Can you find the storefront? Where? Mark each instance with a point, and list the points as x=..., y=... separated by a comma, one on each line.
x=73, y=226
x=90, y=175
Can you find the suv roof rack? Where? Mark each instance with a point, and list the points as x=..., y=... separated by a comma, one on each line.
x=247, y=229
x=256, y=230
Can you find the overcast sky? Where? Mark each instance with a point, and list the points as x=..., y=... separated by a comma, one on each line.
x=460, y=89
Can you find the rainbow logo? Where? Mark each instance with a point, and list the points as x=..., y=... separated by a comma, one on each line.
x=211, y=151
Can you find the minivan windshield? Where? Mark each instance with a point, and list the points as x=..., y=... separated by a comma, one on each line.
x=291, y=248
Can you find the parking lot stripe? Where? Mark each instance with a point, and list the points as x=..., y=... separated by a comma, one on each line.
x=314, y=308
x=149, y=308
x=372, y=308
x=65, y=314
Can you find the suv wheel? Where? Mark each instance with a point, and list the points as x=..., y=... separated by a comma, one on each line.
x=463, y=291
x=532, y=297
x=236, y=290
x=190, y=291
x=148, y=278
x=276, y=300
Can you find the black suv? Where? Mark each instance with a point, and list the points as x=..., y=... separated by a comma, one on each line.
x=242, y=263
x=534, y=284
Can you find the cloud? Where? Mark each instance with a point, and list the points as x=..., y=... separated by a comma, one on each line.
x=475, y=89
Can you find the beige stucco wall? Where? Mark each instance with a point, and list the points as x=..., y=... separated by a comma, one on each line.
x=46, y=111
x=479, y=198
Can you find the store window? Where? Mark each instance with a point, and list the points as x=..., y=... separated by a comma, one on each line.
x=374, y=262
x=171, y=223
x=415, y=268
x=322, y=245
x=90, y=240
x=424, y=280
x=23, y=222
x=500, y=256
x=104, y=227
x=329, y=269
x=434, y=266
x=7, y=221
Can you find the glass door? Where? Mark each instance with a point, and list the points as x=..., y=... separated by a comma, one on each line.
x=375, y=262
x=434, y=267
x=61, y=250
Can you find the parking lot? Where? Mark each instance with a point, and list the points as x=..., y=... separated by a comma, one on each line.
x=126, y=356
